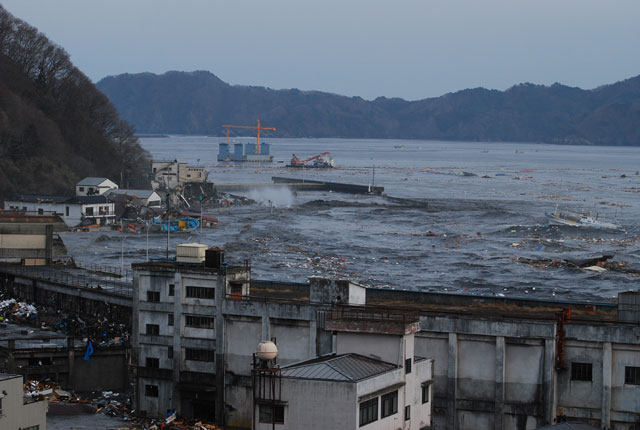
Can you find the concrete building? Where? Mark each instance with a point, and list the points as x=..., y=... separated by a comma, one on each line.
x=195, y=328
x=17, y=412
x=351, y=389
x=91, y=186
x=170, y=175
x=148, y=198
x=29, y=238
x=73, y=210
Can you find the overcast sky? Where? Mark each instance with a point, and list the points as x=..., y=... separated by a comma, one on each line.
x=404, y=48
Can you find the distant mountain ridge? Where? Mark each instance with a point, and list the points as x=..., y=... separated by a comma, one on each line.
x=199, y=103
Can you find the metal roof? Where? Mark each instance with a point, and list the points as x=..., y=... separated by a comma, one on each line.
x=90, y=180
x=346, y=368
x=39, y=198
x=141, y=194
x=70, y=200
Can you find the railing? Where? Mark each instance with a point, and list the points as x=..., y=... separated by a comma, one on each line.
x=371, y=314
x=79, y=278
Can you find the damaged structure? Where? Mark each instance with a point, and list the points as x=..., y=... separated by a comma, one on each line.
x=498, y=363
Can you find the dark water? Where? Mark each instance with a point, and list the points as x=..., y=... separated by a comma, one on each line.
x=434, y=229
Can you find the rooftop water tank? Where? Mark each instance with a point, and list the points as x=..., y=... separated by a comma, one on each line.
x=266, y=350
x=191, y=252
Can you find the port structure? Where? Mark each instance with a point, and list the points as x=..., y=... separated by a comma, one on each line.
x=258, y=129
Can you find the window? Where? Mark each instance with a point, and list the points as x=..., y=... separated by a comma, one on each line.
x=389, y=404
x=407, y=365
x=66, y=210
x=153, y=329
x=368, y=411
x=407, y=413
x=151, y=390
x=153, y=363
x=172, y=290
x=632, y=375
x=201, y=292
x=199, y=322
x=581, y=371
x=153, y=296
x=425, y=391
x=88, y=211
x=269, y=411
x=170, y=352
x=170, y=319
x=194, y=354
x=40, y=211
x=81, y=189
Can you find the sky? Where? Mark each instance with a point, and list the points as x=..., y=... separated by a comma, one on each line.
x=411, y=49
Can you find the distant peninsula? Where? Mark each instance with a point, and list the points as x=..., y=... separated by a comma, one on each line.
x=199, y=103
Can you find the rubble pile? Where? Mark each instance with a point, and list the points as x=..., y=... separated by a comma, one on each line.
x=16, y=311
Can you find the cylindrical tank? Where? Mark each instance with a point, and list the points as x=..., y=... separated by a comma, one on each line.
x=266, y=350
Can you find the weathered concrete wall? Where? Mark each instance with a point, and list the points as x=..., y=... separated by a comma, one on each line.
x=476, y=369
x=154, y=406
x=242, y=335
x=338, y=408
x=106, y=370
x=379, y=346
x=292, y=339
x=523, y=373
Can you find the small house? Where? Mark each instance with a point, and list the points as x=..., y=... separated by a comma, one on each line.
x=91, y=186
x=73, y=210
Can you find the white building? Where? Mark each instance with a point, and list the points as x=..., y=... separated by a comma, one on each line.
x=91, y=186
x=17, y=412
x=350, y=391
x=372, y=381
x=148, y=198
x=73, y=210
x=172, y=174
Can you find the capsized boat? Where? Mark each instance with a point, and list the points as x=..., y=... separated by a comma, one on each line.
x=181, y=225
x=578, y=219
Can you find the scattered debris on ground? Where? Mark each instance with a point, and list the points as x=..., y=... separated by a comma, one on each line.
x=17, y=311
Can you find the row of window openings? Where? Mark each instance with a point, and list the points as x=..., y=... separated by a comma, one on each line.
x=584, y=372
x=192, y=321
x=192, y=354
x=389, y=403
x=192, y=292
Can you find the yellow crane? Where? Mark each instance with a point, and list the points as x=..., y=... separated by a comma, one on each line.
x=258, y=129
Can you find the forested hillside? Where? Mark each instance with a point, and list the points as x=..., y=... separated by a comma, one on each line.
x=199, y=103
x=55, y=126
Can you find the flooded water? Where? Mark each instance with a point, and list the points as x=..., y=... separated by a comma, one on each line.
x=455, y=216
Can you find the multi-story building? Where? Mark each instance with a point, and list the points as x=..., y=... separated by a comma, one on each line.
x=170, y=175
x=498, y=363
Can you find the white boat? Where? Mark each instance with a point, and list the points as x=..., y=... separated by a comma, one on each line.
x=578, y=219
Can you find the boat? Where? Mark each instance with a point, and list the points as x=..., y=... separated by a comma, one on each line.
x=181, y=225
x=320, y=161
x=579, y=219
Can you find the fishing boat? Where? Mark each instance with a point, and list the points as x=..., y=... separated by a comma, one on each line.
x=181, y=225
x=578, y=219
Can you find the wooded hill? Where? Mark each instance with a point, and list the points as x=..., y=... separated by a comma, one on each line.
x=199, y=103
x=55, y=126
